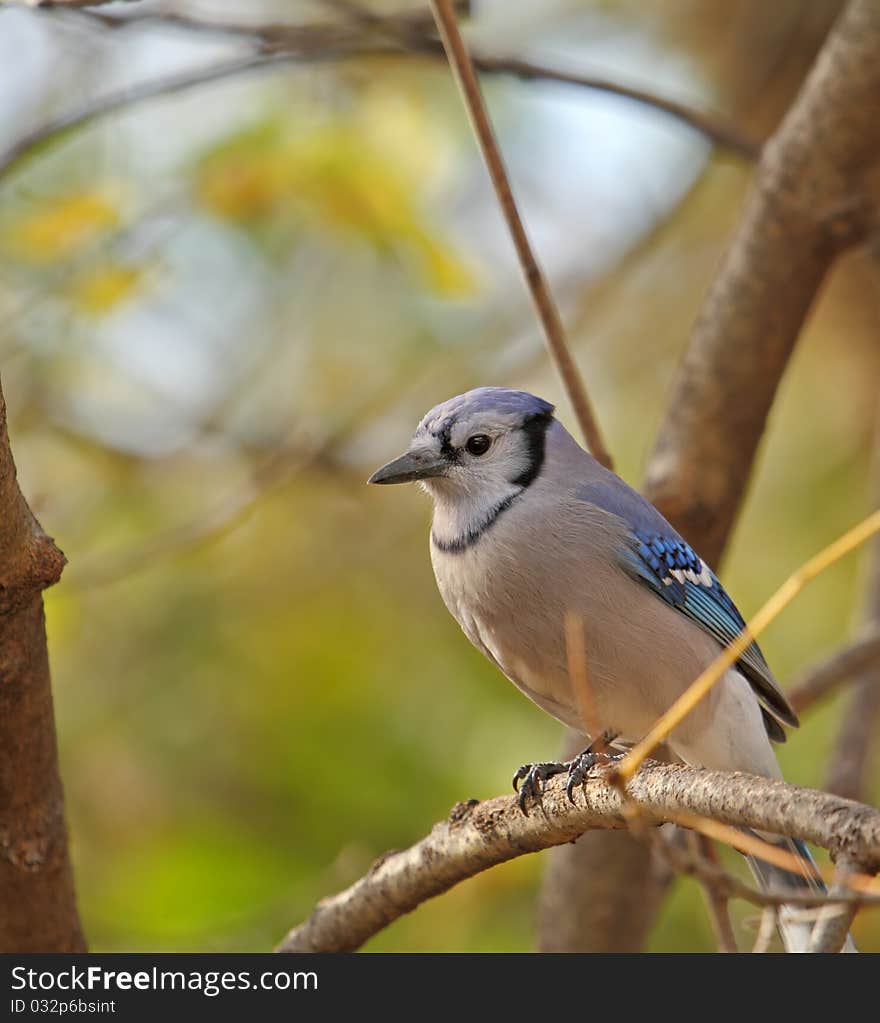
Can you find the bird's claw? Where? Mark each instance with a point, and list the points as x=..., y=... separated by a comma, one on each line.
x=595, y=753
x=533, y=777
x=578, y=770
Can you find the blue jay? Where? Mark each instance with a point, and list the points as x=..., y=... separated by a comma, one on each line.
x=528, y=528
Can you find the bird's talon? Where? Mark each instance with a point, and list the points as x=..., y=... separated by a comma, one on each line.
x=578, y=770
x=533, y=777
x=579, y=767
x=521, y=772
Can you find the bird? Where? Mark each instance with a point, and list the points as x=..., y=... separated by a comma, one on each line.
x=527, y=529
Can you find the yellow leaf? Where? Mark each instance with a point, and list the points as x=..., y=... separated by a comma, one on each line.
x=243, y=186
x=102, y=289
x=444, y=273
x=334, y=176
x=57, y=228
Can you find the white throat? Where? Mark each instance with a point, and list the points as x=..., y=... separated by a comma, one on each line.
x=461, y=517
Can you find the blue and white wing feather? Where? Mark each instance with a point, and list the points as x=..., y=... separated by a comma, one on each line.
x=660, y=559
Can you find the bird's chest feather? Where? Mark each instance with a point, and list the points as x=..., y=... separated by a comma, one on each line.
x=502, y=597
x=511, y=597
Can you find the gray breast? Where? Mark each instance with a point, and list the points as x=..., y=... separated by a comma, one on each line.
x=551, y=555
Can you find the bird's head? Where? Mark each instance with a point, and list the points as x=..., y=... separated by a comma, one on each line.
x=484, y=443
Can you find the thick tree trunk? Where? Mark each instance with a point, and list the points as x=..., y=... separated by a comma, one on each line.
x=37, y=903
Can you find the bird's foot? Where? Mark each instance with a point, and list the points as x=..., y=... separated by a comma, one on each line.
x=530, y=778
x=533, y=777
x=595, y=753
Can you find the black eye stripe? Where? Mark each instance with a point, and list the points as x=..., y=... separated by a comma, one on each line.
x=535, y=430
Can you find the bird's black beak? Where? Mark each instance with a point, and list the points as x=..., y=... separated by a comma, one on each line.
x=417, y=464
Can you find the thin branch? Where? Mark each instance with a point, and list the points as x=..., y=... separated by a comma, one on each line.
x=715, y=898
x=414, y=37
x=480, y=835
x=766, y=930
x=69, y=4
x=849, y=768
x=280, y=45
x=57, y=127
x=730, y=886
x=834, y=921
x=465, y=75
x=821, y=679
x=710, y=126
x=407, y=33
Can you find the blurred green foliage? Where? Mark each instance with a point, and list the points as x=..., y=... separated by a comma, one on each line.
x=258, y=688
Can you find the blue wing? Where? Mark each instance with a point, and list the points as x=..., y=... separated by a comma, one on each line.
x=676, y=573
x=658, y=557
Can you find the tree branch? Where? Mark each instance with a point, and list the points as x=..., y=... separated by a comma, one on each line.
x=767, y=929
x=849, y=771
x=542, y=298
x=811, y=199
x=477, y=836
x=730, y=886
x=600, y=893
x=279, y=44
x=834, y=921
x=37, y=903
x=69, y=4
x=844, y=664
x=714, y=895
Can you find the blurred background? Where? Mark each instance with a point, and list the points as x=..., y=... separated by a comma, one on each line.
x=222, y=308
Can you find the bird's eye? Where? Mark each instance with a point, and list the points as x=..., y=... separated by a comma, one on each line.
x=478, y=444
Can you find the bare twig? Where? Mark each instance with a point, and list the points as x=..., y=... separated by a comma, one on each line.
x=715, y=898
x=578, y=673
x=849, y=767
x=281, y=44
x=413, y=36
x=684, y=861
x=29, y=143
x=710, y=126
x=37, y=902
x=845, y=664
x=479, y=835
x=70, y=4
x=463, y=70
x=124, y=98
x=834, y=921
x=407, y=33
x=766, y=930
